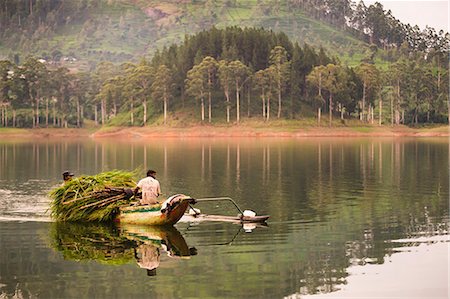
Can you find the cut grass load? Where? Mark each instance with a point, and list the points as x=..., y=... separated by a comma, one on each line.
x=92, y=198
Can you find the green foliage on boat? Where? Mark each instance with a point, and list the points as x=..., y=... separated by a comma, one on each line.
x=92, y=198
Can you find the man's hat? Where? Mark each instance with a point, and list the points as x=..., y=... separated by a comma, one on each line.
x=67, y=173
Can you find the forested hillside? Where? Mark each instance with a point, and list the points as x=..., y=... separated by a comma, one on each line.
x=123, y=62
x=85, y=32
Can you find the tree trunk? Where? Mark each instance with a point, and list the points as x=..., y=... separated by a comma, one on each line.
x=96, y=115
x=363, y=101
x=268, y=108
x=448, y=108
x=237, y=102
x=54, y=113
x=227, y=95
x=202, y=107
x=37, y=112
x=331, y=108
x=248, y=102
x=380, y=112
x=14, y=119
x=209, y=106
x=132, y=113
x=263, y=98
x=279, y=98
x=392, y=111
x=319, y=111
x=82, y=115
x=103, y=111
x=46, y=112
x=165, y=110
x=78, y=112
x=145, y=112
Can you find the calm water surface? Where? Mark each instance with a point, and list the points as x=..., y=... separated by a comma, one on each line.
x=349, y=218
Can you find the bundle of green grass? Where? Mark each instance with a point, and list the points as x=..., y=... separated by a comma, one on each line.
x=92, y=198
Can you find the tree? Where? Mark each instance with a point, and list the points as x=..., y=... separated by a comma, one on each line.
x=370, y=76
x=142, y=78
x=35, y=74
x=208, y=67
x=6, y=72
x=161, y=87
x=334, y=81
x=264, y=82
x=226, y=80
x=195, y=86
x=279, y=61
x=315, y=78
x=240, y=72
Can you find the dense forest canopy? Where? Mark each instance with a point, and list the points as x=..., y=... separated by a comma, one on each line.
x=219, y=74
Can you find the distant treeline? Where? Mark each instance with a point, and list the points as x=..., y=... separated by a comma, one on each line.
x=373, y=24
x=223, y=75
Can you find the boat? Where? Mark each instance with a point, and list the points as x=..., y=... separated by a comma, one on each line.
x=244, y=217
x=167, y=213
x=174, y=208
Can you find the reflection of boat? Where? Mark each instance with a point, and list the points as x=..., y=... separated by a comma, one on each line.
x=168, y=237
x=109, y=245
x=167, y=213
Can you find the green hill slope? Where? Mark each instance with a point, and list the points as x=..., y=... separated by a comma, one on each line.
x=121, y=30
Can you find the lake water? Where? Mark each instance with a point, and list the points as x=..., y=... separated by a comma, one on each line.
x=350, y=217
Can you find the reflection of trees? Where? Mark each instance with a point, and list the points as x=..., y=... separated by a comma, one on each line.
x=88, y=241
x=333, y=203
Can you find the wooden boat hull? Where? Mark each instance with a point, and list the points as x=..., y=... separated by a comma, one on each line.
x=166, y=214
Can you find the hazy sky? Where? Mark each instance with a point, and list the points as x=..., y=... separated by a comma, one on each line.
x=432, y=13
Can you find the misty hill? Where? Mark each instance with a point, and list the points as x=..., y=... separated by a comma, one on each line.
x=122, y=30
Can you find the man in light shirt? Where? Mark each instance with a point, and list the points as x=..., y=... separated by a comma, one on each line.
x=150, y=189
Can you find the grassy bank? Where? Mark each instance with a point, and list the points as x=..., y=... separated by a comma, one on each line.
x=248, y=128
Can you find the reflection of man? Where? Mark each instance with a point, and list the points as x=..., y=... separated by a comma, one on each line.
x=150, y=188
x=147, y=257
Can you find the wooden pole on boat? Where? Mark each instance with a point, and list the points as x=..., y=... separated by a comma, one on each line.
x=219, y=199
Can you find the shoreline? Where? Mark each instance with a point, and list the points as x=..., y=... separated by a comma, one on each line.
x=224, y=132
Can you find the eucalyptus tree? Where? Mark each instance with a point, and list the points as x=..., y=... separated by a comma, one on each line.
x=370, y=76
x=130, y=92
x=281, y=65
x=195, y=87
x=103, y=71
x=264, y=82
x=209, y=67
x=162, y=87
x=397, y=76
x=6, y=71
x=110, y=95
x=36, y=75
x=241, y=73
x=334, y=81
x=61, y=96
x=226, y=80
x=315, y=79
x=142, y=78
x=18, y=92
x=80, y=90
